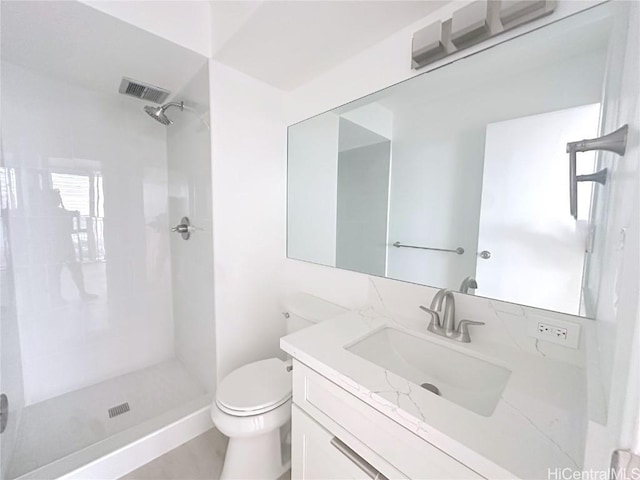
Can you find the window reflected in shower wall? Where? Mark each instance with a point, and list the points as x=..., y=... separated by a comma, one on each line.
x=83, y=197
x=90, y=194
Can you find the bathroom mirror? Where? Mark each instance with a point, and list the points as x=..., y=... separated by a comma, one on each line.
x=459, y=177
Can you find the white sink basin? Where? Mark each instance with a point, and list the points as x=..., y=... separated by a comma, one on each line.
x=470, y=382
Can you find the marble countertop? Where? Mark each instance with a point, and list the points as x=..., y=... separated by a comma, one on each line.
x=538, y=424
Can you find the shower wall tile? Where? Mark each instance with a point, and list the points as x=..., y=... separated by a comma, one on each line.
x=189, y=158
x=10, y=357
x=93, y=301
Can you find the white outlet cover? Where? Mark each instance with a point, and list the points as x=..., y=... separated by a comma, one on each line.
x=573, y=331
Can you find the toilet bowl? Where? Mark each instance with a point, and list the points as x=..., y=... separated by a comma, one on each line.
x=253, y=403
x=252, y=406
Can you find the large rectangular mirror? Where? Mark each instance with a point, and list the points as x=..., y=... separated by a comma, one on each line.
x=459, y=177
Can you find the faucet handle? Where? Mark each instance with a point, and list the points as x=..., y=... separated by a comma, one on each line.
x=434, y=324
x=435, y=316
x=463, y=329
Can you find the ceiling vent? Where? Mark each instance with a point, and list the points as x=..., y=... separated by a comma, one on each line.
x=142, y=90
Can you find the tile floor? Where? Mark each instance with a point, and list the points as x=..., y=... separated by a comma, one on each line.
x=198, y=459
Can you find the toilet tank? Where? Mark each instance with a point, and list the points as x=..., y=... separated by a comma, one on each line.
x=304, y=310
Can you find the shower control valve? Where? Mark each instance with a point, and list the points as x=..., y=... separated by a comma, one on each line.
x=184, y=228
x=181, y=228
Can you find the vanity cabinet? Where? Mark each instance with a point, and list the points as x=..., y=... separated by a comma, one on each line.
x=335, y=435
x=319, y=455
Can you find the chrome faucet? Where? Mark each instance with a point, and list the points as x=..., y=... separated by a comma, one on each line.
x=468, y=283
x=443, y=319
x=448, y=313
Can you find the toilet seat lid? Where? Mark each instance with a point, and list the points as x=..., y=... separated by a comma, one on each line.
x=255, y=387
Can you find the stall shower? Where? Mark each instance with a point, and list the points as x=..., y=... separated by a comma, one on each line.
x=107, y=316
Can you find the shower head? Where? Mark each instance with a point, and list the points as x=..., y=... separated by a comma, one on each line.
x=157, y=113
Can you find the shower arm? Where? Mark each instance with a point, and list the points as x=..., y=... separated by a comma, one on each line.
x=184, y=107
x=615, y=142
x=173, y=104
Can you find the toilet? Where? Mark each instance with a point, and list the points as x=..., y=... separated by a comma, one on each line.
x=252, y=405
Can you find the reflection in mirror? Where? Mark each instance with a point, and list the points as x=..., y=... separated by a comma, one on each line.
x=523, y=213
x=364, y=158
x=459, y=177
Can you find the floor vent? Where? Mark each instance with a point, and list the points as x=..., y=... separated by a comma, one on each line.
x=142, y=90
x=118, y=410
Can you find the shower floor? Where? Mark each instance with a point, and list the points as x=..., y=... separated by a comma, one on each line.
x=57, y=427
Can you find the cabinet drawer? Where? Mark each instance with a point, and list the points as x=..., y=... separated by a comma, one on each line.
x=345, y=414
x=315, y=457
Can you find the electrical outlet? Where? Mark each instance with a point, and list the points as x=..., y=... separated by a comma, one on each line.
x=548, y=329
x=557, y=331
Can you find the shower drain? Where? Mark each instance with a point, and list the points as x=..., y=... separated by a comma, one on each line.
x=119, y=410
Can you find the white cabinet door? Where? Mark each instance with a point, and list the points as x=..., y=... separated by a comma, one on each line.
x=313, y=456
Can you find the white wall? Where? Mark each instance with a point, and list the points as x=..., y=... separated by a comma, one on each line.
x=361, y=217
x=185, y=22
x=249, y=198
x=189, y=161
x=70, y=340
x=312, y=189
x=617, y=251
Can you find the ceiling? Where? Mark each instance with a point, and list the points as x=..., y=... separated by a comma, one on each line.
x=285, y=43
x=353, y=136
x=76, y=43
x=288, y=43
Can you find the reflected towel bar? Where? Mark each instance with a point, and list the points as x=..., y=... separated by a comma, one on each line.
x=458, y=250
